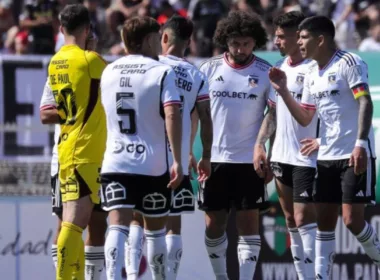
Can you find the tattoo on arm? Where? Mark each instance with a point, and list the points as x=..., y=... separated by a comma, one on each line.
x=204, y=113
x=268, y=127
x=365, y=116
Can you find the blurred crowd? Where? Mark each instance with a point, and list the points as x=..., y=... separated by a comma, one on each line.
x=32, y=26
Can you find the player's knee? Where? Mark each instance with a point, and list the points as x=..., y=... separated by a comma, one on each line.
x=247, y=222
x=97, y=228
x=353, y=222
x=291, y=220
x=174, y=225
x=59, y=224
x=215, y=224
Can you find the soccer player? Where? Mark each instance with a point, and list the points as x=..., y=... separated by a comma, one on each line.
x=142, y=106
x=337, y=87
x=94, y=251
x=239, y=90
x=294, y=172
x=74, y=78
x=194, y=93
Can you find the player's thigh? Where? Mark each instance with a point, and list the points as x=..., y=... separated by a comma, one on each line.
x=285, y=197
x=328, y=188
x=213, y=194
x=359, y=188
x=183, y=198
x=154, y=198
x=246, y=188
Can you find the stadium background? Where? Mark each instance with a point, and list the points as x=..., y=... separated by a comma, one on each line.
x=27, y=227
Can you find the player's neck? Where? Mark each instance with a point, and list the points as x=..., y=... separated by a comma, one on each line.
x=325, y=57
x=175, y=51
x=72, y=40
x=295, y=58
x=240, y=63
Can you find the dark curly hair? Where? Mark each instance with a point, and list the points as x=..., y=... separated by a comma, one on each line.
x=240, y=24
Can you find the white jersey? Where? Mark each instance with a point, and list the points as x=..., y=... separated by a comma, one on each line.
x=289, y=133
x=135, y=90
x=330, y=91
x=193, y=87
x=238, y=97
x=48, y=102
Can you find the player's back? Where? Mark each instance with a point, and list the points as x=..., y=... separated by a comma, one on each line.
x=133, y=90
x=74, y=76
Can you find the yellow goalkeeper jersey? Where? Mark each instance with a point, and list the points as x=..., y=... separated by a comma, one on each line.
x=74, y=77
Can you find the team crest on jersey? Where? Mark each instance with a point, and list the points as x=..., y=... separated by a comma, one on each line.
x=300, y=79
x=253, y=81
x=332, y=79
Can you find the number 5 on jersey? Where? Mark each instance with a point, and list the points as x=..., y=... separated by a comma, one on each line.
x=127, y=121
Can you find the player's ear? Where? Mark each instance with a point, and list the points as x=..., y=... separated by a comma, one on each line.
x=61, y=29
x=321, y=40
x=165, y=38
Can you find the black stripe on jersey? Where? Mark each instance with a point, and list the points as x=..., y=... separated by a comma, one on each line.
x=162, y=113
x=201, y=86
x=263, y=61
x=350, y=60
x=92, y=101
x=370, y=150
x=211, y=59
x=318, y=124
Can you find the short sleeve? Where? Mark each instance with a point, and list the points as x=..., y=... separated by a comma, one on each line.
x=307, y=101
x=47, y=99
x=272, y=99
x=96, y=64
x=169, y=92
x=203, y=92
x=357, y=77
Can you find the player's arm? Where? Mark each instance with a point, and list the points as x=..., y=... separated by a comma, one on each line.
x=193, y=134
x=365, y=113
x=48, y=106
x=304, y=112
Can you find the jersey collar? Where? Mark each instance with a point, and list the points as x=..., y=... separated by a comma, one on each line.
x=328, y=63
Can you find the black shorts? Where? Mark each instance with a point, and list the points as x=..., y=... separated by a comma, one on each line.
x=183, y=198
x=148, y=195
x=300, y=178
x=337, y=183
x=232, y=185
x=56, y=198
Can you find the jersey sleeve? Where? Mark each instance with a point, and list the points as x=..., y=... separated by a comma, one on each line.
x=96, y=64
x=169, y=91
x=357, y=77
x=203, y=92
x=307, y=101
x=47, y=99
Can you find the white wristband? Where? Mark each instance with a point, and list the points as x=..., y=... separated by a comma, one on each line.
x=361, y=143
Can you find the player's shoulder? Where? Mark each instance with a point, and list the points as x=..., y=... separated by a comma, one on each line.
x=349, y=59
x=280, y=62
x=212, y=62
x=94, y=57
x=261, y=64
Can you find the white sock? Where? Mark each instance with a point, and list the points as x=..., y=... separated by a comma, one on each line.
x=296, y=248
x=54, y=254
x=133, y=251
x=216, y=249
x=324, y=253
x=174, y=249
x=114, y=251
x=157, y=256
x=94, y=262
x=370, y=242
x=248, y=253
x=308, y=233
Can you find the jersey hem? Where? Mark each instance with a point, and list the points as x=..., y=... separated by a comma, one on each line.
x=292, y=163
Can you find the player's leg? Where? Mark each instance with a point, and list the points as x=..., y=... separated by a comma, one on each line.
x=249, y=194
x=134, y=246
x=214, y=200
x=358, y=191
x=183, y=202
x=79, y=191
x=119, y=204
x=57, y=211
x=328, y=197
x=285, y=195
x=94, y=244
x=304, y=214
x=154, y=204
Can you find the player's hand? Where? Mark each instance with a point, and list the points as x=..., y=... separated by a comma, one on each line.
x=192, y=166
x=268, y=176
x=277, y=78
x=309, y=146
x=358, y=160
x=260, y=162
x=176, y=176
x=204, y=169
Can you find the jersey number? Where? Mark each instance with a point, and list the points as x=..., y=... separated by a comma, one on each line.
x=128, y=123
x=67, y=108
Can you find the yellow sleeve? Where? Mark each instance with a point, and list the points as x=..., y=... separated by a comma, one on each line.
x=96, y=64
